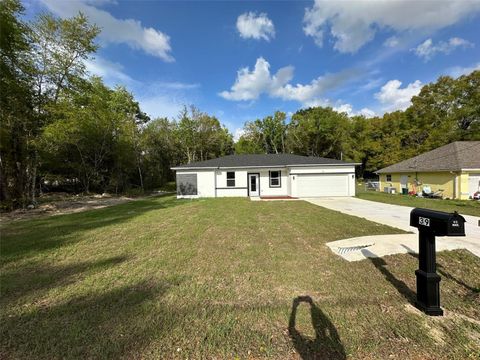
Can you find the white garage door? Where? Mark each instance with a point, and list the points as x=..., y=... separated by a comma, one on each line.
x=313, y=185
x=473, y=183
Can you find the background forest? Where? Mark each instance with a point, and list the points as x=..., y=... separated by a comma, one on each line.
x=64, y=129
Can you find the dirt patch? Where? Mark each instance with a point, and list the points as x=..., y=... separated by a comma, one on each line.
x=435, y=332
x=450, y=319
x=59, y=204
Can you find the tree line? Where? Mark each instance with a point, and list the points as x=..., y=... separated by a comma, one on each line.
x=444, y=111
x=64, y=129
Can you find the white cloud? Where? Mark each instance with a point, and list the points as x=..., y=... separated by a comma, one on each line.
x=317, y=102
x=164, y=99
x=352, y=24
x=457, y=71
x=175, y=85
x=126, y=31
x=237, y=134
x=160, y=98
x=316, y=88
x=344, y=108
x=428, y=49
x=392, y=42
x=368, y=113
x=251, y=25
x=249, y=85
x=348, y=109
x=162, y=105
x=393, y=97
x=370, y=84
x=156, y=98
x=111, y=72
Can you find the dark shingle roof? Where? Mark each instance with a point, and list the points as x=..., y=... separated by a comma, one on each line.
x=452, y=157
x=262, y=160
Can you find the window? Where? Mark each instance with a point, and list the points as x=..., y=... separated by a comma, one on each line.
x=231, y=179
x=186, y=184
x=275, y=179
x=389, y=177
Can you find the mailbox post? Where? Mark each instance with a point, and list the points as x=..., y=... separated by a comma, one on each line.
x=430, y=224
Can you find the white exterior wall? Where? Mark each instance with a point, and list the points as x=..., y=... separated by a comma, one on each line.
x=240, y=188
x=352, y=184
x=266, y=190
x=205, y=183
x=241, y=182
x=213, y=182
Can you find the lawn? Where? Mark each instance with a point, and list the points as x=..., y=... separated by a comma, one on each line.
x=466, y=207
x=221, y=278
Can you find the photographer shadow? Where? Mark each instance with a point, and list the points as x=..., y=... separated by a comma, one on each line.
x=326, y=345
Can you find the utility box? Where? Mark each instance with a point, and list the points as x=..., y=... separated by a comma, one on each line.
x=430, y=224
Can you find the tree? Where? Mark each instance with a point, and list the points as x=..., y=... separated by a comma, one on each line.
x=445, y=111
x=37, y=63
x=201, y=136
x=267, y=134
x=95, y=138
x=124, y=103
x=362, y=144
x=59, y=50
x=160, y=151
x=318, y=132
x=245, y=145
x=16, y=104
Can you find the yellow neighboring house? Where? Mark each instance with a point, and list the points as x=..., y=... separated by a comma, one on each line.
x=453, y=168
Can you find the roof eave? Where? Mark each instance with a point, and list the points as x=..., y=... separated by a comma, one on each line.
x=333, y=164
x=382, y=171
x=194, y=168
x=259, y=166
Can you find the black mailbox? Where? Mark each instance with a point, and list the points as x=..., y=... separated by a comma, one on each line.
x=437, y=222
x=432, y=223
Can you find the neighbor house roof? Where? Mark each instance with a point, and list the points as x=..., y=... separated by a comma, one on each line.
x=261, y=160
x=452, y=157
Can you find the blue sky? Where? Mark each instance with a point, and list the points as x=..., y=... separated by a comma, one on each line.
x=241, y=60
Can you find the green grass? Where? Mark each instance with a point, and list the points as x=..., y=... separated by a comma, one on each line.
x=466, y=207
x=217, y=278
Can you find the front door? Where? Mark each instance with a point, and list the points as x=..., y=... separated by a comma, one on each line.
x=253, y=185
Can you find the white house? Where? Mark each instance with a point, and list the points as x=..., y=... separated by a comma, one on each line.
x=266, y=175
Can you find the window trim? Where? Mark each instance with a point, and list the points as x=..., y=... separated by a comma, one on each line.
x=387, y=176
x=234, y=182
x=279, y=179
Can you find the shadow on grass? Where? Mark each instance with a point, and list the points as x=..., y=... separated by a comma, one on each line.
x=326, y=345
x=401, y=287
x=113, y=324
x=442, y=272
x=38, y=278
x=28, y=237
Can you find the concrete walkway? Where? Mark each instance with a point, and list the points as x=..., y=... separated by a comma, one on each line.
x=397, y=216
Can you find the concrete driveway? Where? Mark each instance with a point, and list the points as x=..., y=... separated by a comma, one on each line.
x=396, y=216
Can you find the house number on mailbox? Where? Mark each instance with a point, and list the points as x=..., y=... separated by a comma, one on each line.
x=423, y=221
